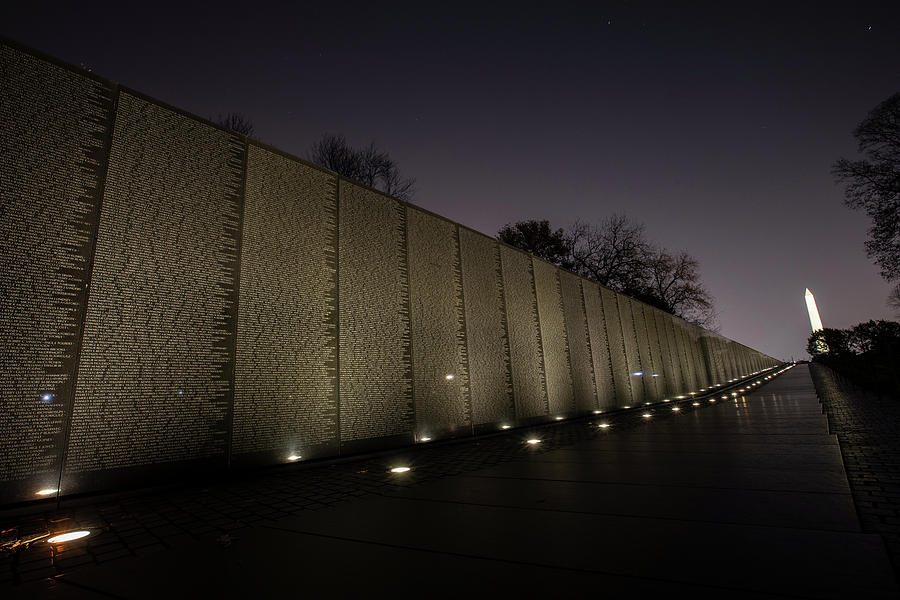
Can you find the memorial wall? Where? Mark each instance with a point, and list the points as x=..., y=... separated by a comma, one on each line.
x=179, y=297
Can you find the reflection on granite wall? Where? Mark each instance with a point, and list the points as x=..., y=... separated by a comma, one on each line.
x=154, y=376
x=178, y=297
x=54, y=131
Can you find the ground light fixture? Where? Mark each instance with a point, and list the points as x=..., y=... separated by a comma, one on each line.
x=675, y=409
x=696, y=403
x=712, y=400
x=449, y=377
x=604, y=425
x=46, y=492
x=646, y=415
x=294, y=457
x=559, y=418
x=533, y=441
x=425, y=439
x=68, y=536
x=626, y=407
x=598, y=412
x=505, y=426
x=399, y=469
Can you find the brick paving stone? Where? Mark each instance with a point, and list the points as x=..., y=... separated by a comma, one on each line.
x=150, y=520
x=868, y=428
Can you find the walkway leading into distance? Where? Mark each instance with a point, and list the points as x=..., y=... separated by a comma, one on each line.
x=746, y=498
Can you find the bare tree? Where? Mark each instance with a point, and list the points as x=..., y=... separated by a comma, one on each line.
x=369, y=165
x=612, y=252
x=674, y=286
x=236, y=122
x=893, y=300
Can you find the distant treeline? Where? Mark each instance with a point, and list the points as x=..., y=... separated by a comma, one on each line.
x=867, y=353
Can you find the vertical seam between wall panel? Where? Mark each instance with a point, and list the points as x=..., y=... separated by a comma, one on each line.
x=590, y=346
x=537, y=313
x=101, y=190
x=568, y=346
x=409, y=312
x=467, y=390
x=609, y=365
x=512, y=385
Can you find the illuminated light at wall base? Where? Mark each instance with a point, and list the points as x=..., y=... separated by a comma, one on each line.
x=675, y=409
x=425, y=439
x=638, y=373
x=46, y=492
x=626, y=407
x=598, y=412
x=696, y=404
x=294, y=457
x=559, y=418
x=603, y=425
x=533, y=441
x=68, y=537
x=449, y=377
x=666, y=400
x=646, y=415
x=399, y=469
x=712, y=400
x=505, y=426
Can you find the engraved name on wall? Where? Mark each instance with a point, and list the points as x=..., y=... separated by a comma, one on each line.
x=285, y=389
x=375, y=371
x=439, y=362
x=488, y=345
x=153, y=379
x=529, y=386
x=53, y=130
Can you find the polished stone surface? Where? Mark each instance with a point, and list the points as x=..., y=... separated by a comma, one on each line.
x=727, y=501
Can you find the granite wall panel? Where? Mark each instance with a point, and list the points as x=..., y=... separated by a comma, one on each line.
x=176, y=299
x=560, y=395
x=490, y=382
x=621, y=374
x=285, y=388
x=658, y=376
x=54, y=130
x=438, y=332
x=375, y=371
x=154, y=378
x=581, y=362
x=526, y=355
x=678, y=360
x=598, y=345
x=669, y=382
x=632, y=358
x=642, y=337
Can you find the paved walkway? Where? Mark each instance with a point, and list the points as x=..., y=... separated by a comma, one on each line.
x=868, y=428
x=744, y=498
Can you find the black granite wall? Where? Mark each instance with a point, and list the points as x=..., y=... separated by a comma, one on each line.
x=178, y=297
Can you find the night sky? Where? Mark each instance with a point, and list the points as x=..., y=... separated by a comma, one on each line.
x=714, y=125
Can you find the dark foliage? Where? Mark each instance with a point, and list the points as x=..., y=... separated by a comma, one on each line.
x=538, y=238
x=615, y=253
x=868, y=353
x=873, y=184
